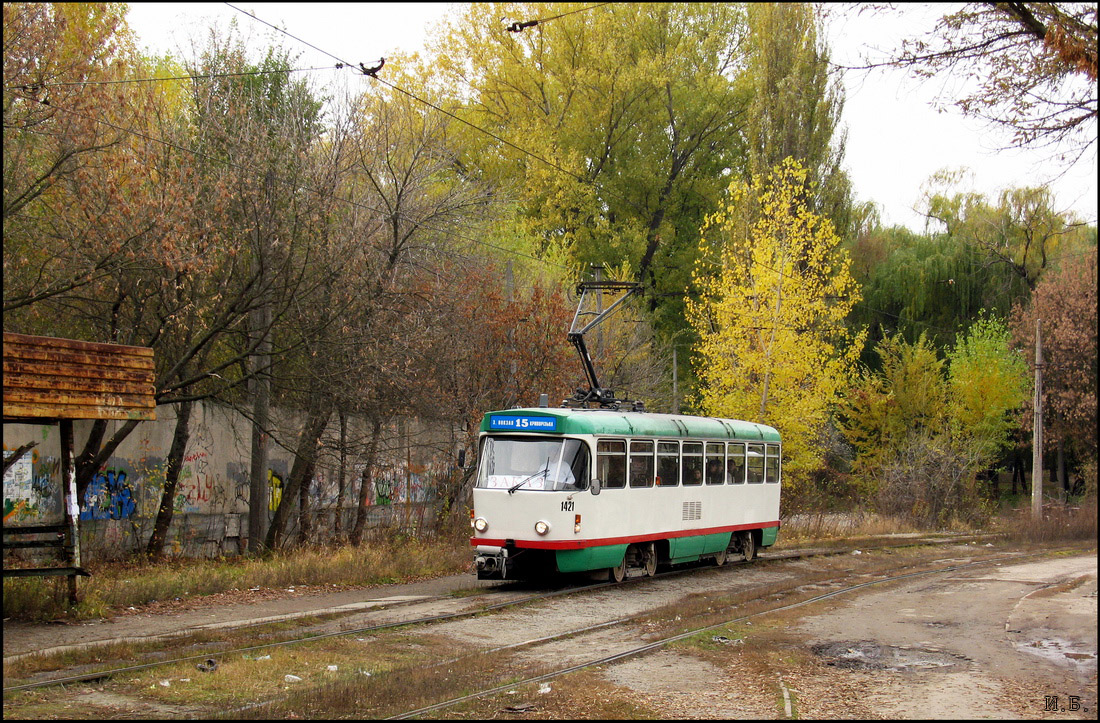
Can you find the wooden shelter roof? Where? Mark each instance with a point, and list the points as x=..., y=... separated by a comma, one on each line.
x=50, y=378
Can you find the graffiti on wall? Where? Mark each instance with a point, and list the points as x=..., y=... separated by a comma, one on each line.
x=383, y=491
x=275, y=490
x=416, y=483
x=201, y=488
x=109, y=497
x=195, y=488
x=123, y=498
x=32, y=490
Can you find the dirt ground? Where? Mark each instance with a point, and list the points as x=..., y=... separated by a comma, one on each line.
x=1009, y=641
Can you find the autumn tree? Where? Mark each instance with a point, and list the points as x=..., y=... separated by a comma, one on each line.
x=95, y=241
x=81, y=207
x=882, y=410
x=73, y=210
x=1065, y=305
x=486, y=346
x=406, y=205
x=773, y=347
x=987, y=382
x=153, y=211
x=1032, y=68
x=923, y=427
x=615, y=126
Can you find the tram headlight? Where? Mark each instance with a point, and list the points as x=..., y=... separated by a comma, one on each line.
x=481, y=524
x=542, y=527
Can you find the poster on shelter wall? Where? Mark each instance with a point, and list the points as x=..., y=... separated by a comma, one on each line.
x=31, y=499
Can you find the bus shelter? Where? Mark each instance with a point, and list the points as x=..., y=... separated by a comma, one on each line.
x=51, y=381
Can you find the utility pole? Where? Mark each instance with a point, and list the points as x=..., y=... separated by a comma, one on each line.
x=1037, y=432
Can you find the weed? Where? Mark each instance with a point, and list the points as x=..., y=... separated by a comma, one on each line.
x=1058, y=523
x=137, y=582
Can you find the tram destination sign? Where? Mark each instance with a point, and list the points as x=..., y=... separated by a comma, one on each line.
x=523, y=423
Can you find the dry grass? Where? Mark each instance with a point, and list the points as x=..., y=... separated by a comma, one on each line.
x=119, y=585
x=817, y=527
x=1059, y=523
x=390, y=692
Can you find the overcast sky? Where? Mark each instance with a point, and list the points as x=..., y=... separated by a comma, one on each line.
x=896, y=140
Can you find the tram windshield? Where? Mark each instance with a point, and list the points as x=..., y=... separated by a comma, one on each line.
x=526, y=463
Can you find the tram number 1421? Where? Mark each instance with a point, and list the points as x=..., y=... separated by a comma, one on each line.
x=627, y=489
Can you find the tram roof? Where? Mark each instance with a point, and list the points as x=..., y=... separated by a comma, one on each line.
x=565, y=420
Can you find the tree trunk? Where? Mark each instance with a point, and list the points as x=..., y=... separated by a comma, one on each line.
x=171, y=478
x=1060, y=466
x=365, y=484
x=338, y=523
x=305, y=513
x=303, y=461
x=96, y=452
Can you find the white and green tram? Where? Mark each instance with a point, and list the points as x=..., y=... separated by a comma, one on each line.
x=574, y=490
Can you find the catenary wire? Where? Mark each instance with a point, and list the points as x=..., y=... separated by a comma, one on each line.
x=34, y=87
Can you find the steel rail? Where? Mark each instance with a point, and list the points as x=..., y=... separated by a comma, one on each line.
x=641, y=650
x=789, y=555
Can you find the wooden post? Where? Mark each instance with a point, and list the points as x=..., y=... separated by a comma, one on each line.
x=72, y=506
x=1037, y=433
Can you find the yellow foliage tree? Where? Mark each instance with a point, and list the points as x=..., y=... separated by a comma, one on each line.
x=773, y=347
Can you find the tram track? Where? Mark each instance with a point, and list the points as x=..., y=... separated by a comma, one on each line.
x=662, y=642
x=777, y=592
x=482, y=610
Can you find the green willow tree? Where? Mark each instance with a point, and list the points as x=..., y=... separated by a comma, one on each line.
x=976, y=253
x=773, y=347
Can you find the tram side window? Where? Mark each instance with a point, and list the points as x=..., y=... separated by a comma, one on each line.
x=756, y=463
x=735, y=467
x=668, y=464
x=771, y=464
x=641, y=464
x=715, y=463
x=693, y=463
x=611, y=463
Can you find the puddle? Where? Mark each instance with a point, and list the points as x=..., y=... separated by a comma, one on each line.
x=1059, y=651
x=869, y=655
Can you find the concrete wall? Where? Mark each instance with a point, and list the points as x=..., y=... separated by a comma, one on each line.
x=212, y=497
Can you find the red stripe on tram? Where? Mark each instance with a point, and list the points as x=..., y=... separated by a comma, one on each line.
x=627, y=539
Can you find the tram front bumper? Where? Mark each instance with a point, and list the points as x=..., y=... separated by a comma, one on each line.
x=491, y=562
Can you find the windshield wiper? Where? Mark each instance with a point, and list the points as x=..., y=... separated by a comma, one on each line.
x=544, y=471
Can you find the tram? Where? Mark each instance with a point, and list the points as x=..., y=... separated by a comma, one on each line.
x=579, y=489
x=574, y=490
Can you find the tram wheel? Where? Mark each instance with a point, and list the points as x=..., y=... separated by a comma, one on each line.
x=649, y=555
x=748, y=546
x=720, y=558
x=617, y=573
